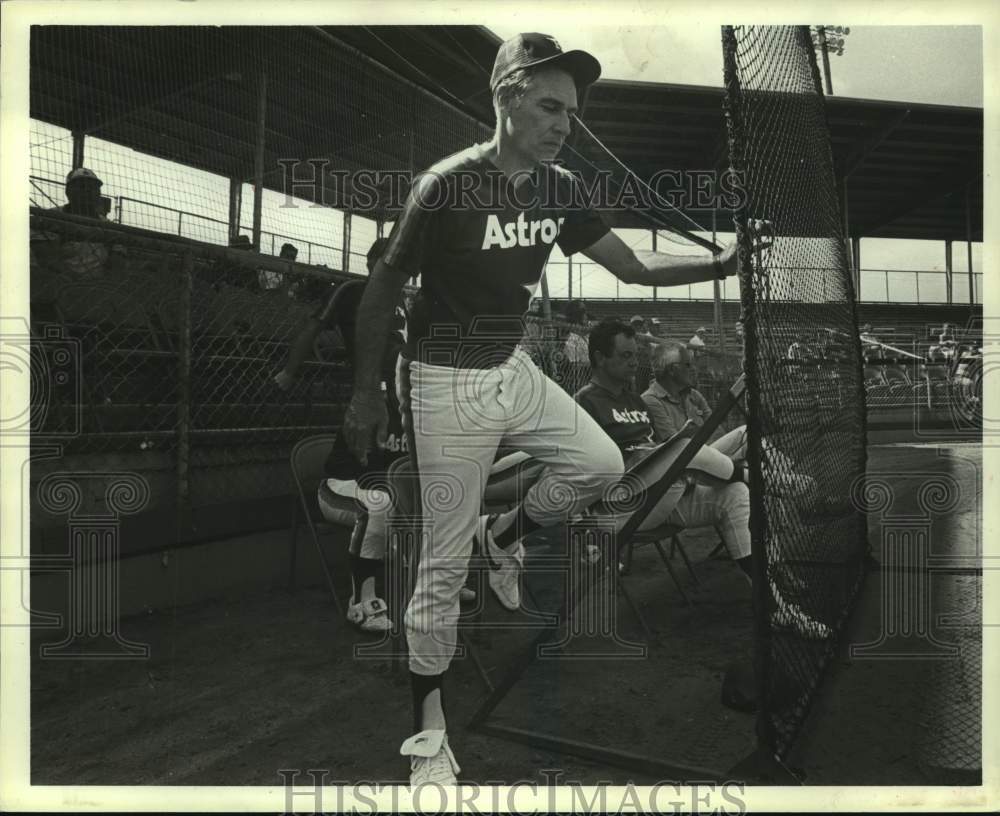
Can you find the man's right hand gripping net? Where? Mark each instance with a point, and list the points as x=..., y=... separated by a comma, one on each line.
x=806, y=417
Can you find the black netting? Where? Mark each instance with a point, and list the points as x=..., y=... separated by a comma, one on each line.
x=807, y=409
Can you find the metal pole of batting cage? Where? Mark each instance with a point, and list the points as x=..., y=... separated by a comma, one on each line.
x=717, y=296
x=763, y=648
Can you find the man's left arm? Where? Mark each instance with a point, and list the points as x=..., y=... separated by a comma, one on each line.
x=663, y=426
x=658, y=268
x=648, y=268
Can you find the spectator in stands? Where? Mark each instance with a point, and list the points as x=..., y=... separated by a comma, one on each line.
x=323, y=319
x=870, y=348
x=697, y=341
x=948, y=346
x=645, y=342
x=83, y=194
x=801, y=349
x=716, y=496
x=534, y=332
x=241, y=241
x=832, y=347
x=81, y=259
x=576, y=313
x=270, y=280
x=740, y=337
x=576, y=361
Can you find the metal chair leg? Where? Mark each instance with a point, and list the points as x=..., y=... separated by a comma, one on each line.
x=673, y=575
x=716, y=551
x=687, y=562
x=322, y=561
x=647, y=632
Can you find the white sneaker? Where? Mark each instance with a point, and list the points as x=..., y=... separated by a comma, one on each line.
x=789, y=616
x=505, y=577
x=431, y=760
x=369, y=616
x=466, y=595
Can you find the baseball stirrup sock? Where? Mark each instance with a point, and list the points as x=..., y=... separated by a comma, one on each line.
x=359, y=530
x=422, y=685
x=361, y=570
x=513, y=525
x=746, y=565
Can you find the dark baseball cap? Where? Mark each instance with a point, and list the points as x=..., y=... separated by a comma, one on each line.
x=528, y=50
x=82, y=174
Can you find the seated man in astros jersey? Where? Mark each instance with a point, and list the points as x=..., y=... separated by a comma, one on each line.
x=478, y=228
x=713, y=491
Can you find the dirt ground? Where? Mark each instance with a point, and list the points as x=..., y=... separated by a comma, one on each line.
x=240, y=688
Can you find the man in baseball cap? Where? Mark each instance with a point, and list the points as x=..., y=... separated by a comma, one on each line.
x=83, y=192
x=697, y=341
x=532, y=50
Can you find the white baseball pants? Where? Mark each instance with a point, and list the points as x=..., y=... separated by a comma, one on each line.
x=456, y=419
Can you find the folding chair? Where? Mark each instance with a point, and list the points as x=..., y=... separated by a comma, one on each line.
x=656, y=537
x=307, y=460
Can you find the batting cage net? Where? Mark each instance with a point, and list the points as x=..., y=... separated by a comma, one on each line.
x=806, y=409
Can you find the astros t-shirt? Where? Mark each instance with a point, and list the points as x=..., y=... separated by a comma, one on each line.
x=480, y=244
x=624, y=417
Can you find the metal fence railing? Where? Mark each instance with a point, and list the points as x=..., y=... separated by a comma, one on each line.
x=134, y=212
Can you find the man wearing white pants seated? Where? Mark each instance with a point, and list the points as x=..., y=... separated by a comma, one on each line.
x=712, y=492
x=672, y=401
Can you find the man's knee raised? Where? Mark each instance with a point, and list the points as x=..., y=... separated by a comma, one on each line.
x=608, y=463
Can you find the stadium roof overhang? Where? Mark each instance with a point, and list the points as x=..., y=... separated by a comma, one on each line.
x=911, y=170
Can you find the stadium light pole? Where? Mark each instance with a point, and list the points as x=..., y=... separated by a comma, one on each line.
x=825, y=43
x=821, y=36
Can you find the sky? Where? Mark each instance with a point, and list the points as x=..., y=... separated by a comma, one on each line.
x=940, y=65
